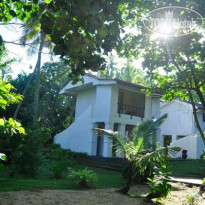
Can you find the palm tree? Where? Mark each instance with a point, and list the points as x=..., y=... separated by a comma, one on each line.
x=33, y=35
x=140, y=148
x=5, y=66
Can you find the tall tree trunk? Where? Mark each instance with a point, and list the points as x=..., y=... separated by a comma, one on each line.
x=72, y=112
x=188, y=89
x=198, y=91
x=24, y=93
x=129, y=179
x=37, y=82
x=195, y=115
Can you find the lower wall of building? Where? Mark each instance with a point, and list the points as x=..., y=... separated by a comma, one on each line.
x=77, y=137
x=193, y=144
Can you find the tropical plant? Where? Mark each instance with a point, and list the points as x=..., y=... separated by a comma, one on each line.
x=84, y=177
x=27, y=158
x=159, y=186
x=5, y=66
x=140, y=150
x=58, y=169
x=8, y=127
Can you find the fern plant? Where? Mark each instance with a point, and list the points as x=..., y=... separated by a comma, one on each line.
x=84, y=178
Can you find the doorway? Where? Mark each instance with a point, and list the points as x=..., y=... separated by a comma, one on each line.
x=167, y=140
x=100, y=140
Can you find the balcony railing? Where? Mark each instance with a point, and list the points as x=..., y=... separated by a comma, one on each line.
x=130, y=110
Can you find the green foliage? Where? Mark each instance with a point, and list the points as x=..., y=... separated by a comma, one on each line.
x=159, y=186
x=84, y=177
x=58, y=168
x=7, y=97
x=55, y=111
x=56, y=153
x=127, y=73
x=8, y=127
x=59, y=160
x=84, y=30
x=190, y=200
x=11, y=126
x=2, y=156
x=27, y=158
x=20, y=9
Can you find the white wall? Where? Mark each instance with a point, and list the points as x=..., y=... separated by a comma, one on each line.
x=155, y=107
x=85, y=99
x=148, y=107
x=188, y=143
x=179, y=121
x=78, y=136
x=103, y=103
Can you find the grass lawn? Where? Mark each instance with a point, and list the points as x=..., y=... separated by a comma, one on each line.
x=187, y=168
x=180, y=168
x=105, y=179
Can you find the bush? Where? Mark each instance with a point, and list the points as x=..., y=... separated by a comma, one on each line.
x=159, y=186
x=84, y=178
x=58, y=169
x=55, y=152
x=27, y=157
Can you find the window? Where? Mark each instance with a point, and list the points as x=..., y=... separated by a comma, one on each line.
x=167, y=140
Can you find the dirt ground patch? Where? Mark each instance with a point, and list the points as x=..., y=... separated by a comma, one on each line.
x=99, y=196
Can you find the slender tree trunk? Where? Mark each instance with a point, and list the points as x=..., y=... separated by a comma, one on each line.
x=129, y=179
x=195, y=116
x=72, y=111
x=199, y=93
x=37, y=82
x=189, y=91
x=24, y=93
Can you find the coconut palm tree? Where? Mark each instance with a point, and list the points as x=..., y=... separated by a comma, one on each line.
x=140, y=149
x=34, y=36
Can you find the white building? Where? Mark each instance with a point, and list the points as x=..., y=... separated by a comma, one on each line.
x=104, y=103
x=179, y=129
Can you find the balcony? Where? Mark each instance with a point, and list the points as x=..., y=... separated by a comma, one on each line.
x=130, y=110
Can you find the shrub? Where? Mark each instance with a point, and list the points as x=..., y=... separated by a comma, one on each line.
x=159, y=186
x=55, y=152
x=84, y=177
x=27, y=157
x=58, y=169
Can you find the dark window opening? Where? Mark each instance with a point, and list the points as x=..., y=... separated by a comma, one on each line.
x=131, y=103
x=167, y=140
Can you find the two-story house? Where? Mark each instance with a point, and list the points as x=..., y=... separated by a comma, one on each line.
x=179, y=129
x=105, y=103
